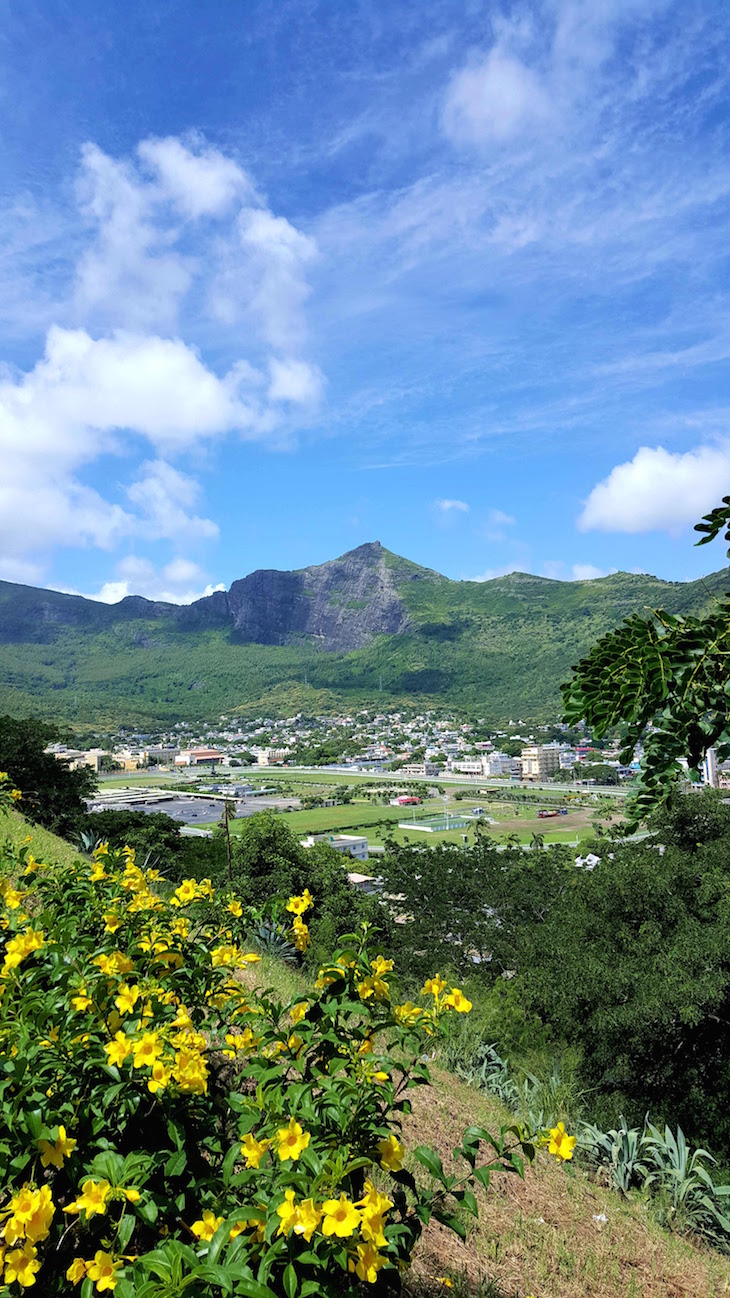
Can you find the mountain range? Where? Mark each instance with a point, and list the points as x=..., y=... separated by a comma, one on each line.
x=367, y=628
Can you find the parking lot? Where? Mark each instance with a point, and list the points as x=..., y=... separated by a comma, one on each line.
x=196, y=811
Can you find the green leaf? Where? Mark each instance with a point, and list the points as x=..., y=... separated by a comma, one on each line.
x=430, y=1160
x=289, y=1280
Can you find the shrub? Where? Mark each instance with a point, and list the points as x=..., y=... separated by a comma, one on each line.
x=170, y=1128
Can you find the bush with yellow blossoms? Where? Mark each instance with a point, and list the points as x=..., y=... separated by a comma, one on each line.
x=171, y=1128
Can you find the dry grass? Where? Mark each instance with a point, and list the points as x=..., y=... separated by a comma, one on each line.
x=540, y=1236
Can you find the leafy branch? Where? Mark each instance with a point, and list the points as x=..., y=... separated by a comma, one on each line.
x=665, y=680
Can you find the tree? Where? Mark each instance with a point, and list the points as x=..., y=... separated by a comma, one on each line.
x=666, y=680
x=267, y=860
x=633, y=969
x=53, y=795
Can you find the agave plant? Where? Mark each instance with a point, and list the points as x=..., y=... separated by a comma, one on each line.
x=682, y=1182
x=271, y=939
x=618, y=1151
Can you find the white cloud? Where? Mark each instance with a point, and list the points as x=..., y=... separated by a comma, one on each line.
x=558, y=570
x=128, y=378
x=491, y=573
x=178, y=582
x=497, y=98
x=262, y=276
x=200, y=180
x=658, y=490
x=451, y=506
x=131, y=275
x=293, y=380
x=164, y=497
x=496, y=523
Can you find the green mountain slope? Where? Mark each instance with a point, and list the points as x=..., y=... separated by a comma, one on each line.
x=498, y=648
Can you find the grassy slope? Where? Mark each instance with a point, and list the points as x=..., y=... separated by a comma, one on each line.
x=44, y=846
x=500, y=647
x=538, y=1236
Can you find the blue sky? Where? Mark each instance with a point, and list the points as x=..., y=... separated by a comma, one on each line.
x=279, y=278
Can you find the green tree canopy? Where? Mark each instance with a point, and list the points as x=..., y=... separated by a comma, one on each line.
x=665, y=679
x=53, y=795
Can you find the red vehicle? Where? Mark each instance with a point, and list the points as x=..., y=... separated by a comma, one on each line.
x=408, y=802
x=547, y=815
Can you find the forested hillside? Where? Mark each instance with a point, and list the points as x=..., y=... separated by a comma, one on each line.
x=274, y=643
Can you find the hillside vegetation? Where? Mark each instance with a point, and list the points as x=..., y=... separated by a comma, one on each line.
x=557, y=1233
x=500, y=648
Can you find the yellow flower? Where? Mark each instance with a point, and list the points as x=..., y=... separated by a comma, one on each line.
x=103, y=1271
x=81, y=1001
x=298, y=1012
x=309, y=1219
x=381, y=966
x=374, y=1208
x=16, y=795
x=445, y=1281
x=340, y=1217
x=292, y=1141
x=76, y=1271
x=187, y=892
x=391, y=1153
x=561, y=1144
x=434, y=986
x=368, y=1263
x=206, y=1228
x=375, y=987
x=288, y=1212
x=54, y=1154
x=160, y=1077
x=457, y=1001
x=146, y=1050
x=298, y=905
x=21, y=1266
x=407, y=1014
x=235, y=908
x=92, y=1199
x=111, y=922
x=253, y=1150
x=118, y=1049
x=236, y=1229
x=127, y=998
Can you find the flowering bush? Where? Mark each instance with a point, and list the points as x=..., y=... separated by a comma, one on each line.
x=169, y=1130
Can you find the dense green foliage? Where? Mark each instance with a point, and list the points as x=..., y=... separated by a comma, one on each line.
x=52, y=795
x=268, y=859
x=498, y=648
x=623, y=955
x=665, y=680
x=169, y=1129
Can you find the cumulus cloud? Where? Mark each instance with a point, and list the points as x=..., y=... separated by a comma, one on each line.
x=178, y=582
x=199, y=179
x=451, y=506
x=164, y=497
x=293, y=380
x=658, y=490
x=128, y=382
x=496, y=98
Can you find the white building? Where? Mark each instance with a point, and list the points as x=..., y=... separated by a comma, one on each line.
x=349, y=844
